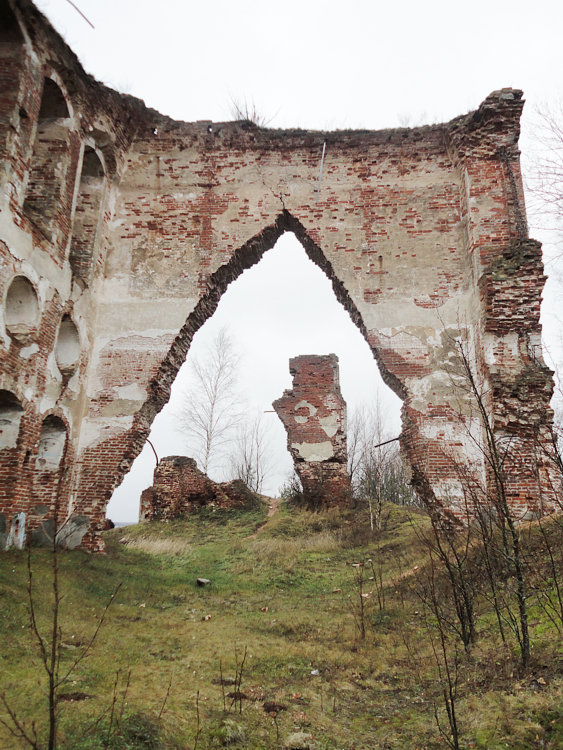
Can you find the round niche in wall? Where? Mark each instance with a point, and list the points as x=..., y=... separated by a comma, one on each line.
x=67, y=349
x=21, y=312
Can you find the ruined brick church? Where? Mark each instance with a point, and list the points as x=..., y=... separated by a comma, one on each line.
x=120, y=229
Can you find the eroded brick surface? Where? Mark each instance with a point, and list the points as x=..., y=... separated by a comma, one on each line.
x=314, y=416
x=128, y=226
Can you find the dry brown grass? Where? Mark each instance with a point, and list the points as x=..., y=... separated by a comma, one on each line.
x=160, y=546
x=275, y=548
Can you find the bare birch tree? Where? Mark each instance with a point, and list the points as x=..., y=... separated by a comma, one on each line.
x=250, y=457
x=211, y=407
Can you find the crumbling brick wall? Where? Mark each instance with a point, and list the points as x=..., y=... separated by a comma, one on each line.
x=314, y=415
x=110, y=211
x=179, y=487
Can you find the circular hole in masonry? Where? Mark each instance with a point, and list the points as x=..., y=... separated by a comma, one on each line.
x=21, y=309
x=67, y=349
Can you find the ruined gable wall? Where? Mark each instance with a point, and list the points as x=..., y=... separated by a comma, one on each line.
x=199, y=203
x=408, y=224
x=191, y=221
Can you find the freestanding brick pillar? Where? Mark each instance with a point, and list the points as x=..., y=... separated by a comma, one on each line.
x=314, y=415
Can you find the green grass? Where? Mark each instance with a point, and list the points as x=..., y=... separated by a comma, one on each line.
x=285, y=594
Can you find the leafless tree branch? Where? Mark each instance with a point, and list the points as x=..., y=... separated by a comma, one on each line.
x=211, y=408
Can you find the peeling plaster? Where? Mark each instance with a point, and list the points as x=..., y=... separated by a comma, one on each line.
x=29, y=351
x=314, y=451
x=329, y=424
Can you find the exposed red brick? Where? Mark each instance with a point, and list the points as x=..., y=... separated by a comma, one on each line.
x=179, y=487
x=314, y=415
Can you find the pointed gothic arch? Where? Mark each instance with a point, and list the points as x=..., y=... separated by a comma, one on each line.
x=122, y=451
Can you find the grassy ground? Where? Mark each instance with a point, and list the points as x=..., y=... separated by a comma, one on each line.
x=288, y=597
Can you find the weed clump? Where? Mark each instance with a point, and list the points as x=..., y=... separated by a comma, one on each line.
x=137, y=730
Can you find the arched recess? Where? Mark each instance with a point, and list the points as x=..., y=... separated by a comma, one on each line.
x=12, y=524
x=87, y=214
x=11, y=54
x=21, y=309
x=67, y=347
x=118, y=453
x=47, y=480
x=11, y=413
x=50, y=159
x=51, y=443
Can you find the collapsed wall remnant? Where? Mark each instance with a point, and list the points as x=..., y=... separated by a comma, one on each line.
x=179, y=487
x=110, y=211
x=314, y=415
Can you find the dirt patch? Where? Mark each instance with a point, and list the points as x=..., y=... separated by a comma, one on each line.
x=273, y=507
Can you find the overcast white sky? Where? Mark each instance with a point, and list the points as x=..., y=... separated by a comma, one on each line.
x=322, y=65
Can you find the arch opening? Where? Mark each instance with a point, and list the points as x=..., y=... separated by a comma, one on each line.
x=50, y=159
x=278, y=304
x=87, y=215
x=215, y=286
x=21, y=309
x=53, y=103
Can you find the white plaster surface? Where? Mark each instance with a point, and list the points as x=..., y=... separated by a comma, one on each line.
x=51, y=447
x=329, y=424
x=29, y=351
x=132, y=392
x=47, y=403
x=301, y=418
x=94, y=431
x=9, y=427
x=16, y=536
x=314, y=451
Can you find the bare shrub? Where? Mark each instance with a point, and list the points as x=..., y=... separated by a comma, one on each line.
x=250, y=455
x=246, y=111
